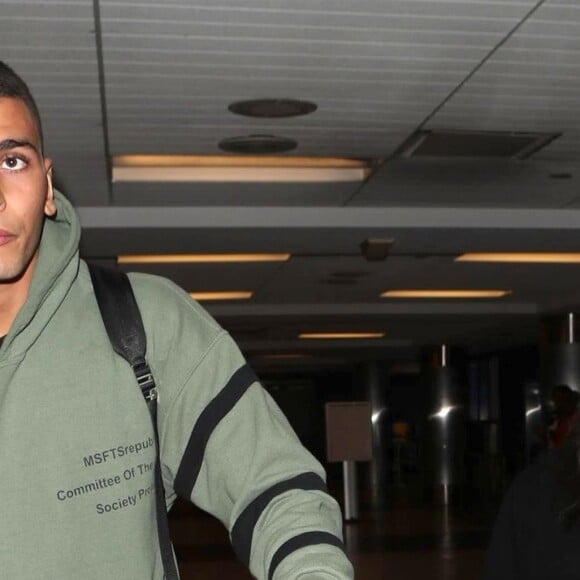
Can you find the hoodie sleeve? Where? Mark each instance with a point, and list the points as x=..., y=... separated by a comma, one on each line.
x=227, y=447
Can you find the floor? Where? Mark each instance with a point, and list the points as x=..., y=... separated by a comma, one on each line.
x=402, y=542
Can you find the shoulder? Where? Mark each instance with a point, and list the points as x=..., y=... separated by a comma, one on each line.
x=183, y=341
x=162, y=297
x=172, y=319
x=180, y=333
x=158, y=297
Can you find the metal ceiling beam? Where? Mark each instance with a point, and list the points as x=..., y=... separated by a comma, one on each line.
x=327, y=217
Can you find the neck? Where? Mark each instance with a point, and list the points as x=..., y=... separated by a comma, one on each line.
x=13, y=295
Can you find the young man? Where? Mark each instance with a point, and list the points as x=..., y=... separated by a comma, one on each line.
x=77, y=452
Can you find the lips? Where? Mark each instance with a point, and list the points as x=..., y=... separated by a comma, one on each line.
x=5, y=237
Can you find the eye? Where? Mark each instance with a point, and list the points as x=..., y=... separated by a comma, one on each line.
x=14, y=163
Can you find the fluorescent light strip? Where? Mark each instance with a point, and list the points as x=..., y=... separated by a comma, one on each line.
x=232, y=168
x=200, y=258
x=522, y=257
x=237, y=175
x=206, y=296
x=340, y=335
x=445, y=293
x=221, y=161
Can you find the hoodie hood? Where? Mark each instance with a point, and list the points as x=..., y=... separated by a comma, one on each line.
x=55, y=271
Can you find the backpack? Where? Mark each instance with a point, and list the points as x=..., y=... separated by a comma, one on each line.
x=124, y=326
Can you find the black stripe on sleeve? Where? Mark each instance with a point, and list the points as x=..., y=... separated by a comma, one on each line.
x=243, y=529
x=302, y=541
x=210, y=417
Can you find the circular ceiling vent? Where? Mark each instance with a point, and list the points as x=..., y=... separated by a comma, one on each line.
x=257, y=144
x=272, y=108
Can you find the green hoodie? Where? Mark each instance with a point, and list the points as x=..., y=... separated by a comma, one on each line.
x=77, y=449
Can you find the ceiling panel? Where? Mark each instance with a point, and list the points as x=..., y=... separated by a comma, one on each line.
x=61, y=68
x=212, y=277
x=232, y=194
x=322, y=280
x=530, y=83
x=471, y=183
x=365, y=65
x=400, y=332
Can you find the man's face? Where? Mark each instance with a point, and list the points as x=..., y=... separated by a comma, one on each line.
x=26, y=194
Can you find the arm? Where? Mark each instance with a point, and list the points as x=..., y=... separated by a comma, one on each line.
x=237, y=458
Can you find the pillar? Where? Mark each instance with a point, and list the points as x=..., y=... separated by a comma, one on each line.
x=560, y=353
x=374, y=383
x=445, y=434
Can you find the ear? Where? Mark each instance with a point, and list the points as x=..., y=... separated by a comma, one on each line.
x=49, y=205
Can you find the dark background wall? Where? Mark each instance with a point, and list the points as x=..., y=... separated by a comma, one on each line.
x=495, y=447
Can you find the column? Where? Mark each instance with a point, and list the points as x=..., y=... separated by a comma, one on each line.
x=560, y=353
x=445, y=434
x=374, y=383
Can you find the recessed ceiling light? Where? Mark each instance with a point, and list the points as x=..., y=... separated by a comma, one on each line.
x=199, y=258
x=257, y=144
x=523, y=257
x=206, y=296
x=445, y=293
x=272, y=108
x=340, y=335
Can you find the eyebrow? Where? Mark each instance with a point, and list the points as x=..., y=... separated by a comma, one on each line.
x=13, y=143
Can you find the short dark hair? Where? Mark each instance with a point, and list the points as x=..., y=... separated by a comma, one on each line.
x=12, y=86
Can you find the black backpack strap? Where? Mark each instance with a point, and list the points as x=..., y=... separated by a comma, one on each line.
x=124, y=326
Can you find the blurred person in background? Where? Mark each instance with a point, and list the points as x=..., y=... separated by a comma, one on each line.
x=536, y=535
